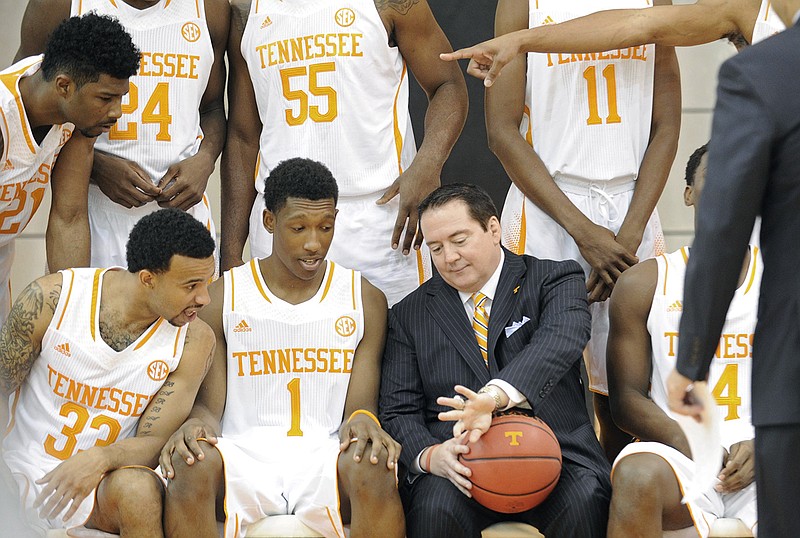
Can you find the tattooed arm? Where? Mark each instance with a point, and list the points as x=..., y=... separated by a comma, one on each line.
x=75, y=478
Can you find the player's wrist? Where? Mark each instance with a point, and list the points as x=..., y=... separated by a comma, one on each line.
x=365, y=413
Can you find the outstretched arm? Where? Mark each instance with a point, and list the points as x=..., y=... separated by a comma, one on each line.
x=412, y=26
x=683, y=25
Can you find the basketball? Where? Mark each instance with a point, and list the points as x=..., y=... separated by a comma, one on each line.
x=515, y=465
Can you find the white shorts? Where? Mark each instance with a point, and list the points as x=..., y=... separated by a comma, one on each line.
x=26, y=473
x=711, y=504
x=268, y=474
x=362, y=241
x=110, y=224
x=529, y=230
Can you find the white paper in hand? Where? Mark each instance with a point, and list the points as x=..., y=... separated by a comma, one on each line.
x=704, y=441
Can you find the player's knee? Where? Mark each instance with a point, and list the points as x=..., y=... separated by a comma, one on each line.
x=364, y=478
x=200, y=479
x=130, y=493
x=637, y=476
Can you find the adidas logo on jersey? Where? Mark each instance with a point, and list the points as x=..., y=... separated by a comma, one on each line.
x=677, y=306
x=242, y=327
x=63, y=349
x=266, y=22
x=8, y=165
x=548, y=20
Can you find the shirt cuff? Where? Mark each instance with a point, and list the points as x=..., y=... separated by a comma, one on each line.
x=515, y=397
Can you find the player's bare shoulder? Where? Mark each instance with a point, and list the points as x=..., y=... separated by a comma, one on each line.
x=239, y=12
x=636, y=286
x=401, y=7
x=199, y=343
x=372, y=297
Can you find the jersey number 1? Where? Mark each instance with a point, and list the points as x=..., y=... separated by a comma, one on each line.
x=609, y=73
x=294, y=394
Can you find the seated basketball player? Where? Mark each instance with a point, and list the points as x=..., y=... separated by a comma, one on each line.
x=538, y=324
x=105, y=364
x=650, y=477
x=299, y=339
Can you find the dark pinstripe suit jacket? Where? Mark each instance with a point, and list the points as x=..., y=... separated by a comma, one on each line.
x=431, y=348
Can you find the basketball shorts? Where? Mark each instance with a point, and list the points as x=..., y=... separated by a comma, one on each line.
x=26, y=473
x=110, y=224
x=529, y=230
x=362, y=241
x=711, y=504
x=269, y=474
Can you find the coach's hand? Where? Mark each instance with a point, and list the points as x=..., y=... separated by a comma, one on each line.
x=72, y=481
x=183, y=185
x=738, y=467
x=472, y=412
x=184, y=442
x=417, y=182
x=123, y=181
x=487, y=59
x=362, y=430
x=442, y=460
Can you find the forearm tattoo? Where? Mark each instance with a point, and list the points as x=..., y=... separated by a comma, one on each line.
x=400, y=6
x=153, y=414
x=18, y=349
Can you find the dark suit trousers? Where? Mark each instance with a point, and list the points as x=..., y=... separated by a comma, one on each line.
x=778, y=480
x=577, y=508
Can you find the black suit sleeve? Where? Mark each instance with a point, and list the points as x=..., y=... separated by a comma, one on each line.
x=402, y=399
x=564, y=327
x=738, y=168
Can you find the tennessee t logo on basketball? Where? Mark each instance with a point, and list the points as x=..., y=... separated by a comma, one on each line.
x=157, y=370
x=513, y=436
x=345, y=326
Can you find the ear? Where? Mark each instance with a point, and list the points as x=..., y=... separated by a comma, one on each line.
x=688, y=196
x=147, y=278
x=494, y=228
x=65, y=86
x=268, y=218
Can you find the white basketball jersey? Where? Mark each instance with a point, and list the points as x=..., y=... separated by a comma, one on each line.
x=160, y=124
x=768, y=23
x=289, y=365
x=329, y=88
x=25, y=166
x=81, y=393
x=729, y=375
x=588, y=116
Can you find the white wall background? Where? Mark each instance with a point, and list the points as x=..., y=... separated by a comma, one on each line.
x=699, y=66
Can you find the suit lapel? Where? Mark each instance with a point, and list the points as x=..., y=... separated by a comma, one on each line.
x=447, y=310
x=511, y=277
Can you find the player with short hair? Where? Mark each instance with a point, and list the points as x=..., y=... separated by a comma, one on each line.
x=588, y=141
x=650, y=477
x=164, y=149
x=99, y=367
x=299, y=339
x=743, y=22
x=330, y=82
x=55, y=106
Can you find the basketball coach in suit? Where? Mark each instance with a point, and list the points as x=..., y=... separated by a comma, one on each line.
x=754, y=168
x=538, y=324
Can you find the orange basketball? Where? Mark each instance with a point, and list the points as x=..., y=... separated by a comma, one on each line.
x=515, y=465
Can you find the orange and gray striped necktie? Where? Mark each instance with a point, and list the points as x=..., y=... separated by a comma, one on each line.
x=480, y=324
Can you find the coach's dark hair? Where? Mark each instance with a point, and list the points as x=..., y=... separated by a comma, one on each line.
x=86, y=47
x=479, y=203
x=299, y=178
x=159, y=236
x=694, y=163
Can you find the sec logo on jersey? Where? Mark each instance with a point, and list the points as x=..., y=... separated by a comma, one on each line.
x=190, y=32
x=345, y=17
x=345, y=326
x=157, y=370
